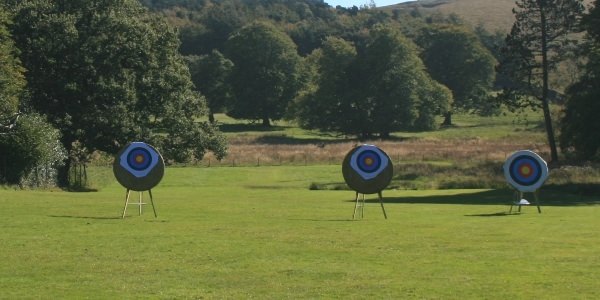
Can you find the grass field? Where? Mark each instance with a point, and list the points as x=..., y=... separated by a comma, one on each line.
x=284, y=230
x=251, y=232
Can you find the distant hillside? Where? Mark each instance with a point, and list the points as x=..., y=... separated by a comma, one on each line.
x=492, y=14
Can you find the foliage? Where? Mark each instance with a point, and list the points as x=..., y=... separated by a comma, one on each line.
x=540, y=38
x=32, y=146
x=11, y=73
x=580, y=128
x=266, y=72
x=209, y=74
x=206, y=25
x=106, y=72
x=455, y=58
x=322, y=105
x=378, y=86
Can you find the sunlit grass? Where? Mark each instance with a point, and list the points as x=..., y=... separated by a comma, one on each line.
x=253, y=232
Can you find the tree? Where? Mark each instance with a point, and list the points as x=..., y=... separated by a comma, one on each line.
x=539, y=39
x=106, y=72
x=455, y=57
x=266, y=72
x=324, y=104
x=404, y=96
x=580, y=127
x=33, y=145
x=12, y=80
x=209, y=74
x=379, y=86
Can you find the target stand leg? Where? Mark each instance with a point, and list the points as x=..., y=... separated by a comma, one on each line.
x=362, y=207
x=359, y=204
x=381, y=202
x=355, y=206
x=140, y=203
x=126, y=203
x=519, y=200
x=512, y=203
x=537, y=201
x=152, y=201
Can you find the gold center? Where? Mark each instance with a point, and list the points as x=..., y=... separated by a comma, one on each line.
x=139, y=159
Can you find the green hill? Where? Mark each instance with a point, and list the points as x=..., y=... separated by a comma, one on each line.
x=492, y=14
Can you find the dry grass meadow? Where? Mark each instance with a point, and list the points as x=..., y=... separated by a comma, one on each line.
x=492, y=14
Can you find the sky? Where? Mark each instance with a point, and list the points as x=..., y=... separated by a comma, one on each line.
x=358, y=3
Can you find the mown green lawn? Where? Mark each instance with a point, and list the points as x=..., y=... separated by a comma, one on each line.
x=261, y=233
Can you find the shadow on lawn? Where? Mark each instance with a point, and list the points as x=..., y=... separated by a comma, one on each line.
x=237, y=128
x=85, y=217
x=554, y=196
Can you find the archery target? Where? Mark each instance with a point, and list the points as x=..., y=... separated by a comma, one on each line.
x=367, y=169
x=138, y=166
x=368, y=161
x=525, y=171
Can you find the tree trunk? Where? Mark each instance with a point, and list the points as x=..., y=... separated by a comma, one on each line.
x=63, y=174
x=385, y=135
x=447, y=119
x=211, y=117
x=545, y=105
x=266, y=122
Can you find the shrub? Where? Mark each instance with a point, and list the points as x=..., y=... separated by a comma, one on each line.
x=30, y=153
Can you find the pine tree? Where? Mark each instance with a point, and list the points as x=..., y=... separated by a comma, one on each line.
x=538, y=41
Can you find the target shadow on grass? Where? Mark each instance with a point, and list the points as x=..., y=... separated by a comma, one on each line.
x=86, y=217
x=548, y=197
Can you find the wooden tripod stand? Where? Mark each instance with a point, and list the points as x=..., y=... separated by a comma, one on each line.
x=139, y=203
x=361, y=204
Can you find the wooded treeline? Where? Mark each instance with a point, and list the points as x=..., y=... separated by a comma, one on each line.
x=78, y=76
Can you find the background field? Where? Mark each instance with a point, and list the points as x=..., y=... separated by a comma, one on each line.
x=281, y=226
x=251, y=232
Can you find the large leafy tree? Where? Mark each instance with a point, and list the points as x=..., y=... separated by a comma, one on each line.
x=106, y=72
x=266, y=75
x=539, y=39
x=455, y=57
x=402, y=94
x=12, y=80
x=27, y=142
x=379, y=86
x=324, y=105
x=209, y=74
x=580, y=127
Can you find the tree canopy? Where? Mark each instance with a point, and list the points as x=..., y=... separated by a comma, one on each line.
x=378, y=86
x=266, y=72
x=455, y=57
x=209, y=74
x=12, y=80
x=106, y=72
x=580, y=127
x=539, y=39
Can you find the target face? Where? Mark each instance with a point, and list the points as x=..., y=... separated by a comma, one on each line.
x=138, y=166
x=368, y=161
x=525, y=171
x=367, y=169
